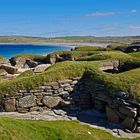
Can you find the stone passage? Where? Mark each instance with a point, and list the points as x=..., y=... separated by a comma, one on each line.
x=68, y=95
x=119, y=108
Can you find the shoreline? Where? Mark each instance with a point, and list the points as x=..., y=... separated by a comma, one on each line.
x=72, y=44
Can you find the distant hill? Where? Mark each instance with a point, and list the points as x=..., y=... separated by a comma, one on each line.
x=89, y=39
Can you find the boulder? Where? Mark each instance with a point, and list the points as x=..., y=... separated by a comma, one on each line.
x=27, y=101
x=41, y=68
x=31, y=63
x=10, y=105
x=9, y=69
x=51, y=102
x=128, y=123
x=112, y=116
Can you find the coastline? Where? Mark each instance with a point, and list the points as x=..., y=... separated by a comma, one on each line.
x=70, y=45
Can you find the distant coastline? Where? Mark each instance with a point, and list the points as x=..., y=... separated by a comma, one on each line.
x=70, y=45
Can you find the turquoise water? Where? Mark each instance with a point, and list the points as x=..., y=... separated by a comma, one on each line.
x=8, y=51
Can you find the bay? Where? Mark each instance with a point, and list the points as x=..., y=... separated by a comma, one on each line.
x=10, y=50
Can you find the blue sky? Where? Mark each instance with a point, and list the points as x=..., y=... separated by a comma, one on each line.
x=49, y=18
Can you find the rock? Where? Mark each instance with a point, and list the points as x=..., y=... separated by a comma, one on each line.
x=31, y=63
x=137, y=130
x=128, y=123
x=122, y=95
x=27, y=101
x=65, y=103
x=55, y=87
x=10, y=105
x=23, y=110
x=9, y=69
x=51, y=102
x=59, y=112
x=39, y=100
x=131, y=112
x=52, y=60
x=41, y=68
x=3, y=73
x=36, y=109
x=112, y=116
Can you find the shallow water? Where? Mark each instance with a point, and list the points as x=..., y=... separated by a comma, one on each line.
x=12, y=49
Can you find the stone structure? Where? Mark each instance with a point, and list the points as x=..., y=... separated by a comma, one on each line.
x=119, y=108
x=68, y=95
x=75, y=95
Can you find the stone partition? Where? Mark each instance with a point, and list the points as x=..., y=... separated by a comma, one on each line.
x=68, y=95
x=119, y=108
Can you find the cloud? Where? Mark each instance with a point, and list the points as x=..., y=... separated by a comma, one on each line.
x=133, y=11
x=101, y=14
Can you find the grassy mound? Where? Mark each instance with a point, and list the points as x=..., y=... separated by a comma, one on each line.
x=39, y=58
x=11, y=129
x=106, y=55
x=135, y=54
x=69, y=69
x=26, y=74
x=72, y=55
x=90, y=48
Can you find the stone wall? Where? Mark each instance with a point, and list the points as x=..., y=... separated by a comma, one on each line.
x=119, y=108
x=68, y=95
x=75, y=95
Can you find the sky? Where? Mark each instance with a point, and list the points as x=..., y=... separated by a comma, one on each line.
x=52, y=18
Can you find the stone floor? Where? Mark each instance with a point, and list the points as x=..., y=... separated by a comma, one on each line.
x=92, y=118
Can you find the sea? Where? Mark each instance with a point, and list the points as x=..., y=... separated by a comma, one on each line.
x=10, y=50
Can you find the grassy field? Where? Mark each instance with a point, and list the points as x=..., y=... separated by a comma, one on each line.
x=93, y=39
x=11, y=129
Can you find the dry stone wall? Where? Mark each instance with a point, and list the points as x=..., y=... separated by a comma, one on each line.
x=75, y=95
x=119, y=108
x=68, y=95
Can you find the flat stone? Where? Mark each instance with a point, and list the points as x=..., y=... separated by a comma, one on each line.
x=55, y=87
x=9, y=69
x=64, y=81
x=74, y=82
x=48, y=88
x=10, y=105
x=69, y=89
x=131, y=112
x=51, y=102
x=36, y=90
x=27, y=101
x=23, y=91
x=59, y=112
x=41, y=68
x=65, y=85
x=60, y=90
x=23, y=110
x=32, y=109
x=112, y=116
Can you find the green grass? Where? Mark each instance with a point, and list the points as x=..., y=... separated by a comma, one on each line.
x=39, y=58
x=106, y=55
x=90, y=48
x=69, y=69
x=26, y=74
x=135, y=54
x=71, y=54
x=11, y=129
